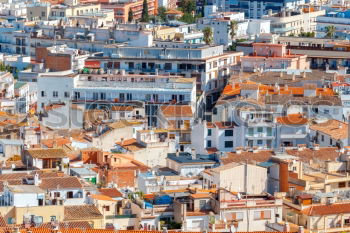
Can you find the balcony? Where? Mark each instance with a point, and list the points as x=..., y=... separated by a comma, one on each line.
x=120, y=216
x=260, y=136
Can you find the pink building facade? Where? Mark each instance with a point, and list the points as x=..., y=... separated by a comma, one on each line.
x=273, y=56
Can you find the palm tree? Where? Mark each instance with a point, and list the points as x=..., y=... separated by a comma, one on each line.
x=330, y=31
x=233, y=28
x=208, y=35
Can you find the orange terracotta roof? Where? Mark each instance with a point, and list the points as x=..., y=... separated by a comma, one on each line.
x=60, y=183
x=176, y=111
x=122, y=108
x=131, y=145
x=335, y=129
x=81, y=212
x=321, y=210
x=173, y=12
x=53, y=106
x=111, y=192
x=101, y=197
x=292, y=119
x=200, y=195
x=57, y=142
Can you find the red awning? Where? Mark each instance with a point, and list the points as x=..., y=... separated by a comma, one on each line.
x=92, y=64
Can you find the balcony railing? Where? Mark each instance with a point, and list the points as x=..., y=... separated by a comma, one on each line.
x=120, y=216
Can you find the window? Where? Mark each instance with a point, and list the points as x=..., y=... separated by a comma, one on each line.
x=103, y=95
x=106, y=207
x=43, y=94
x=259, y=215
x=57, y=194
x=208, y=143
x=341, y=185
x=251, y=131
x=66, y=94
x=322, y=138
x=326, y=111
x=215, y=111
x=77, y=95
x=260, y=129
x=52, y=218
x=237, y=216
x=209, y=132
x=167, y=66
x=260, y=142
x=70, y=194
x=202, y=204
x=43, y=13
x=55, y=94
x=228, y=133
x=228, y=144
x=330, y=141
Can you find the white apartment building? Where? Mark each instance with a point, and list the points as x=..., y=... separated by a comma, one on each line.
x=338, y=19
x=220, y=24
x=151, y=182
x=209, y=64
x=88, y=91
x=286, y=23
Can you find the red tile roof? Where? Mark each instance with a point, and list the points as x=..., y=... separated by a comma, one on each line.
x=61, y=183
x=176, y=111
x=292, y=119
x=81, y=212
x=111, y=192
x=321, y=210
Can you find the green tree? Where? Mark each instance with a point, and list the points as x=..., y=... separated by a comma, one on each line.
x=187, y=6
x=208, y=35
x=161, y=13
x=144, y=15
x=233, y=29
x=330, y=31
x=130, y=15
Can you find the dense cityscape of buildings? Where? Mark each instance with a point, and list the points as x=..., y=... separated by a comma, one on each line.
x=174, y=116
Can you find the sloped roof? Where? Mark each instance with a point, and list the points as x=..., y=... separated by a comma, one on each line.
x=47, y=153
x=321, y=210
x=176, y=111
x=60, y=183
x=334, y=128
x=81, y=212
x=111, y=192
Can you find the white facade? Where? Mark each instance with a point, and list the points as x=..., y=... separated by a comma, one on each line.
x=247, y=178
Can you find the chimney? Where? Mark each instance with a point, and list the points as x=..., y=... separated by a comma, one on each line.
x=301, y=229
x=193, y=153
x=340, y=126
x=165, y=230
x=301, y=147
x=177, y=153
x=283, y=177
x=239, y=150
x=293, y=77
x=300, y=170
x=286, y=227
x=316, y=146
x=37, y=180
x=16, y=230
